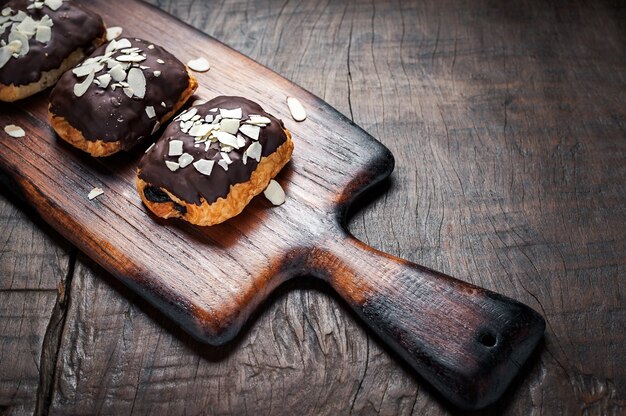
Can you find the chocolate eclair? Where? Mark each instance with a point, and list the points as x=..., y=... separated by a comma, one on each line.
x=121, y=94
x=40, y=40
x=212, y=160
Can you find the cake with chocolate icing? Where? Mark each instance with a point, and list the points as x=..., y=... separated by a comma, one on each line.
x=120, y=95
x=212, y=160
x=40, y=40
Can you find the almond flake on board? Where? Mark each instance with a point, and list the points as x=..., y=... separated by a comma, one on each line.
x=95, y=192
x=297, y=110
x=275, y=193
x=14, y=131
x=199, y=65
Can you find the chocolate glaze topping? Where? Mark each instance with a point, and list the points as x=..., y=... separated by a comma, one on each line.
x=109, y=114
x=187, y=183
x=73, y=28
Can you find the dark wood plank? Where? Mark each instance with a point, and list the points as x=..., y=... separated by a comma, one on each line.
x=33, y=265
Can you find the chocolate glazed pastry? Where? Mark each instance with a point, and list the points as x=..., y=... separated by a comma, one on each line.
x=40, y=40
x=212, y=160
x=118, y=96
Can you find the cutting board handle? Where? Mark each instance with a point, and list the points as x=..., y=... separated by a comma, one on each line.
x=466, y=341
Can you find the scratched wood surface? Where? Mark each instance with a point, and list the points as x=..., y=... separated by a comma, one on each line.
x=509, y=145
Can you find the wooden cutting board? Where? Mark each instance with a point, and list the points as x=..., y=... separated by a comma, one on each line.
x=468, y=342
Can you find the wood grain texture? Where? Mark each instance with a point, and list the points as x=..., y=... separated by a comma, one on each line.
x=531, y=124
x=467, y=342
x=33, y=266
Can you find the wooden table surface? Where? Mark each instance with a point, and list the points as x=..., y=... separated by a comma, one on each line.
x=508, y=123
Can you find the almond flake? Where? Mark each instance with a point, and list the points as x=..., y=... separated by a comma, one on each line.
x=137, y=81
x=226, y=157
x=14, y=131
x=254, y=151
x=200, y=130
x=24, y=47
x=27, y=26
x=122, y=44
x=208, y=118
x=173, y=166
x=81, y=88
x=163, y=104
x=104, y=80
x=204, y=166
x=234, y=113
x=130, y=58
x=5, y=55
x=223, y=164
x=213, y=110
x=188, y=115
x=114, y=32
x=86, y=69
x=161, y=61
x=226, y=138
x=54, y=4
x=150, y=148
x=229, y=125
x=150, y=111
x=150, y=46
x=199, y=102
x=117, y=73
x=241, y=141
x=44, y=34
x=156, y=127
x=185, y=160
x=259, y=121
x=297, y=110
x=129, y=51
x=111, y=47
x=251, y=131
x=157, y=73
x=199, y=65
x=176, y=148
x=275, y=193
x=95, y=192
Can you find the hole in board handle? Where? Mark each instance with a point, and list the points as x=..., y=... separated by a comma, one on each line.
x=487, y=339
